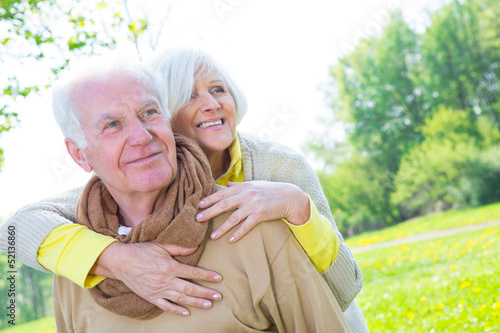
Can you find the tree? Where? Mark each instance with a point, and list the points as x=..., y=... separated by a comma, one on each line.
x=383, y=91
x=379, y=93
x=456, y=166
x=357, y=194
x=39, y=37
x=461, y=55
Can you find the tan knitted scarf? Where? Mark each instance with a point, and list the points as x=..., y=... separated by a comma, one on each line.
x=173, y=224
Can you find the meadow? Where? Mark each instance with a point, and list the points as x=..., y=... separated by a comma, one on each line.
x=434, y=222
x=447, y=284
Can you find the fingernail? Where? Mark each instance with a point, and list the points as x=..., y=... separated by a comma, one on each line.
x=185, y=313
x=217, y=297
x=231, y=239
x=218, y=278
x=213, y=234
x=201, y=203
x=207, y=305
x=199, y=216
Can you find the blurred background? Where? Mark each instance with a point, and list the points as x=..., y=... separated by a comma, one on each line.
x=395, y=104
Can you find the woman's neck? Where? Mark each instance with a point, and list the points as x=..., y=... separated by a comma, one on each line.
x=219, y=162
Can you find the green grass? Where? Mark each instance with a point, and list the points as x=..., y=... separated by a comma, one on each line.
x=434, y=222
x=446, y=285
x=44, y=325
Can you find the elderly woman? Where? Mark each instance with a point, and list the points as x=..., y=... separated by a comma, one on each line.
x=147, y=189
x=206, y=105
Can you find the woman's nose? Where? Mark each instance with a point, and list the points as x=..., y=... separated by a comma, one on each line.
x=208, y=103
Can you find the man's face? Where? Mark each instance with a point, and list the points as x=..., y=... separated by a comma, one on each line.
x=130, y=143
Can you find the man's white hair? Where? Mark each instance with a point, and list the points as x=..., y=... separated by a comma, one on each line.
x=111, y=67
x=182, y=67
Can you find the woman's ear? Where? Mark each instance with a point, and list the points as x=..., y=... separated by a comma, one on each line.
x=77, y=154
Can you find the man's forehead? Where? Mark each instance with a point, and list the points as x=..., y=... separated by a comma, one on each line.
x=111, y=96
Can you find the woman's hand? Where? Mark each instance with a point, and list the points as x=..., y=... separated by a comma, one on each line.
x=255, y=202
x=149, y=271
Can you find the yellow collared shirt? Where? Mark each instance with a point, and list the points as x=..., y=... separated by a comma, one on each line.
x=316, y=236
x=70, y=250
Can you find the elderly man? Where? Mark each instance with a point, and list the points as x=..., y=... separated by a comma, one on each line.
x=146, y=189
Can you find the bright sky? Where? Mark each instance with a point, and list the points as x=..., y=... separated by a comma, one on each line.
x=279, y=51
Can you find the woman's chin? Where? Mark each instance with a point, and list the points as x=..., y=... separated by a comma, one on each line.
x=216, y=144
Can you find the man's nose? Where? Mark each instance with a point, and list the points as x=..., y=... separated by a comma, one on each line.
x=139, y=133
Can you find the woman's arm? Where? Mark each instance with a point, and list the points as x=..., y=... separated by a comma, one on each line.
x=272, y=162
x=147, y=269
x=34, y=222
x=259, y=201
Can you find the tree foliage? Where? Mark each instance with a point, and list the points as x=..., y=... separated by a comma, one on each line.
x=40, y=36
x=31, y=290
x=456, y=166
x=420, y=110
x=379, y=93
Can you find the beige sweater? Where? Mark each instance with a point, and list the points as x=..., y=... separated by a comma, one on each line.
x=269, y=285
x=262, y=160
x=270, y=161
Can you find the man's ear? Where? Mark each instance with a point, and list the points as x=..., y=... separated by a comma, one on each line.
x=77, y=154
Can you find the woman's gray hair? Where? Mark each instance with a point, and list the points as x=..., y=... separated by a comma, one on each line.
x=114, y=66
x=182, y=67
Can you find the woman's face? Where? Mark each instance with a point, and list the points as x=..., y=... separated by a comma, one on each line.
x=210, y=116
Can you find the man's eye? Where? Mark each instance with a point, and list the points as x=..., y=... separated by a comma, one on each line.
x=112, y=124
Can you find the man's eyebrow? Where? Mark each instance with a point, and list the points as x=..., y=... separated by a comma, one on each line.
x=150, y=102
x=108, y=116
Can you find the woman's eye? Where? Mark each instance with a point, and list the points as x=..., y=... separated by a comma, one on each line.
x=218, y=89
x=149, y=112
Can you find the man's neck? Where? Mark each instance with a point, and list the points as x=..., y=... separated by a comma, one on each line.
x=136, y=208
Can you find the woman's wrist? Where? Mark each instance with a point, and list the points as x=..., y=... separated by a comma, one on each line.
x=300, y=209
x=109, y=258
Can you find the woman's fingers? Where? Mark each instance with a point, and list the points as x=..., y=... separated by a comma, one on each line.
x=234, y=219
x=245, y=228
x=170, y=307
x=182, y=292
x=254, y=202
x=228, y=203
x=154, y=275
x=218, y=196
